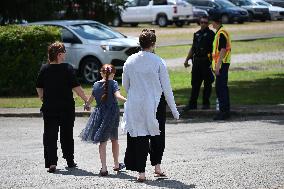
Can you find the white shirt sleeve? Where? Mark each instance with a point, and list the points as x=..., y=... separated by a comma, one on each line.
x=167, y=89
x=125, y=79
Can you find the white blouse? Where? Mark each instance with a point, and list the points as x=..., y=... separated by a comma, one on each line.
x=144, y=78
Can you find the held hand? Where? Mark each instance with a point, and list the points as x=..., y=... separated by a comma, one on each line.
x=176, y=115
x=186, y=64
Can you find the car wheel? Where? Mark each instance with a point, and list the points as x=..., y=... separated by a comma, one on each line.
x=90, y=70
x=134, y=24
x=225, y=19
x=116, y=22
x=241, y=22
x=162, y=21
x=179, y=23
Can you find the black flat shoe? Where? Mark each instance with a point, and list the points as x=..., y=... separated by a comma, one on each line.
x=71, y=164
x=52, y=169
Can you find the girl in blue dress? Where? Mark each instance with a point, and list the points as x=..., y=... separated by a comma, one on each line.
x=104, y=120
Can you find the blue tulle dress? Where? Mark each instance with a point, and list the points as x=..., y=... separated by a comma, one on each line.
x=104, y=120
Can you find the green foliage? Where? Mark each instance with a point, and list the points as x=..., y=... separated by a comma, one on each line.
x=23, y=49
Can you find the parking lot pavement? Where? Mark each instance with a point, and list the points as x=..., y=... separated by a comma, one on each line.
x=199, y=154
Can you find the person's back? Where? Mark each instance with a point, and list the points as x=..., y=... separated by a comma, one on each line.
x=144, y=73
x=57, y=83
x=98, y=92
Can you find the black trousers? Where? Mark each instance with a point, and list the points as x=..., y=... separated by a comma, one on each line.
x=138, y=147
x=222, y=90
x=201, y=72
x=52, y=123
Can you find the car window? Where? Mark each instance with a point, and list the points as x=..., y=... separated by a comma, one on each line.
x=263, y=3
x=143, y=3
x=245, y=3
x=131, y=3
x=66, y=34
x=224, y=3
x=96, y=31
x=160, y=2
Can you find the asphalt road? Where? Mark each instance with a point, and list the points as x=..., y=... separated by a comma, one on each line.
x=199, y=154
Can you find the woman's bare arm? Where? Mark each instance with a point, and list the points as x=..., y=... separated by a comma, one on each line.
x=40, y=93
x=119, y=96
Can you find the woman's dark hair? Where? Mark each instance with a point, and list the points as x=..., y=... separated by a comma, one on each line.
x=107, y=69
x=147, y=38
x=54, y=49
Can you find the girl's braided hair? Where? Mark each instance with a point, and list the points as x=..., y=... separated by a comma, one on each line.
x=107, y=69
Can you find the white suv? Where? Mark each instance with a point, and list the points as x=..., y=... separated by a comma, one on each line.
x=161, y=12
x=90, y=44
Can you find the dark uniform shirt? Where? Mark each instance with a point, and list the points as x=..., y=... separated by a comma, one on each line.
x=202, y=43
x=57, y=81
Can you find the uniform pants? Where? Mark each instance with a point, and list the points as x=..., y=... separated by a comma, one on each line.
x=201, y=72
x=138, y=147
x=52, y=123
x=222, y=90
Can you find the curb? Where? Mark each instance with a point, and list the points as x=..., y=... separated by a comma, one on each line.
x=184, y=115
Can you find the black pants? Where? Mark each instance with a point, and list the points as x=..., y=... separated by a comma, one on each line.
x=52, y=123
x=157, y=143
x=138, y=147
x=201, y=72
x=222, y=90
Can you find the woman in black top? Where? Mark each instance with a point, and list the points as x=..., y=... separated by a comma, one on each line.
x=55, y=83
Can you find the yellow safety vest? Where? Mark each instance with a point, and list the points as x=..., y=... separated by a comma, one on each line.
x=216, y=52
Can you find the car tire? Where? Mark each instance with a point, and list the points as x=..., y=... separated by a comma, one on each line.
x=241, y=22
x=90, y=69
x=162, y=21
x=179, y=23
x=225, y=19
x=116, y=22
x=134, y=24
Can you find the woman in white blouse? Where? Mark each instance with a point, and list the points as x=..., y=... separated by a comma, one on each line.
x=145, y=78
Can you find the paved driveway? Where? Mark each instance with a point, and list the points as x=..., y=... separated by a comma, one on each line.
x=199, y=154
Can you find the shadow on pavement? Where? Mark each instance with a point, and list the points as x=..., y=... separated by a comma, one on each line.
x=75, y=172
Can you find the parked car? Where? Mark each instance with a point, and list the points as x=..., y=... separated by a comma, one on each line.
x=197, y=14
x=228, y=11
x=276, y=13
x=90, y=44
x=279, y=3
x=161, y=12
x=256, y=12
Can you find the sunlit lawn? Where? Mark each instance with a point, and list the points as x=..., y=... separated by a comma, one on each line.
x=264, y=85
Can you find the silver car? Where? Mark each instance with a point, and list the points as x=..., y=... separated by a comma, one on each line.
x=90, y=44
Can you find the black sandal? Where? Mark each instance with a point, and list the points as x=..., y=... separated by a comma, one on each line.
x=103, y=173
x=120, y=167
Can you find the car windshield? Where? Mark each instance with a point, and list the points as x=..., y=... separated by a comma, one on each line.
x=263, y=3
x=246, y=3
x=96, y=31
x=225, y=3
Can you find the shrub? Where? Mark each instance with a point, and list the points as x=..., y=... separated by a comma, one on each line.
x=22, y=51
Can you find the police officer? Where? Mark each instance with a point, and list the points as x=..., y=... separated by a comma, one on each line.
x=200, y=54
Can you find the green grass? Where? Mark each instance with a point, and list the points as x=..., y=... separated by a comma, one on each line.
x=257, y=46
x=263, y=85
x=248, y=87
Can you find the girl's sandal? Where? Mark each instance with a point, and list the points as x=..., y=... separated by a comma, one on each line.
x=141, y=179
x=120, y=167
x=103, y=173
x=162, y=174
